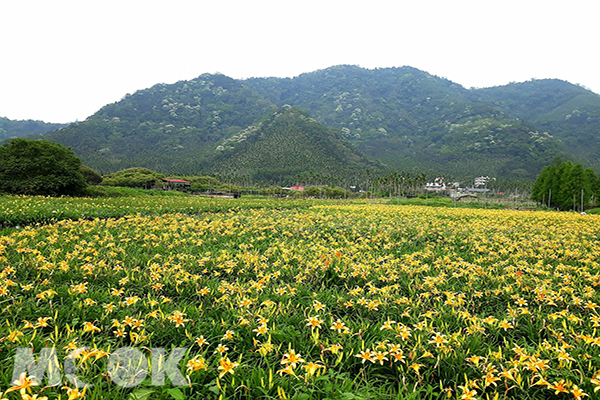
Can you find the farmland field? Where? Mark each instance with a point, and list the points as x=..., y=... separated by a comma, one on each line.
x=30, y=210
x=286, y=300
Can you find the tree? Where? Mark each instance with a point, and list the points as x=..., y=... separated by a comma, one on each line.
x=133, y=177
x=91, y=177
x=542, y=188
x=563, y=184
x=572, y=183
x=39, y=167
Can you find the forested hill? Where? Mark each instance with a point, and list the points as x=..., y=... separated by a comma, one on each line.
x=170, y=128
x=14, y=128
x=402, y=117
x=408, y=118
x=569, y=112
x=289, y=143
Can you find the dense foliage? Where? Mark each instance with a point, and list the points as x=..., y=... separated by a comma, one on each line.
x=570, y=113
x=39, y=167
x=410, y=119
x=286, y=144
x=168, y=128
x=133, y=177
x=91, y=177
x=566, y=186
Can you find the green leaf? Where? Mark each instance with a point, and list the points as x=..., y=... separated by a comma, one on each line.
x=176, y=394
x=141, y=394
x=215, y=389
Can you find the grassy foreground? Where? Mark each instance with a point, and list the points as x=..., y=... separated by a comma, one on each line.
x=328, y=301
x=19, y=211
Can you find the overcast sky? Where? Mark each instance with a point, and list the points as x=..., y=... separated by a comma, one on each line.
x=62, y=60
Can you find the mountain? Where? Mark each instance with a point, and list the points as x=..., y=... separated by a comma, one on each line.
x=569, y=112
x=410, y=119
x=170, y=128
x=289, y=143
x=13, y=129
x=401, y=117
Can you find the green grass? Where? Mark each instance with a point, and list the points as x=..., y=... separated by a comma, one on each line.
x=113, y=191
x=442, y=202
x=19, y=211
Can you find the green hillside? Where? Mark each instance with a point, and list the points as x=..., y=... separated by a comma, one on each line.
x=401, y=117
x=169, y=128
x=288, y=144
x=14, y=129
x=566, y=111
x=408, y=118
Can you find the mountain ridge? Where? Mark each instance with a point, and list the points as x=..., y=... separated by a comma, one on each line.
x=20, y=128
x=288, y=143
x=402, y=117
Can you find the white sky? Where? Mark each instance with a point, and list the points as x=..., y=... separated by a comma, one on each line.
x=63, y=60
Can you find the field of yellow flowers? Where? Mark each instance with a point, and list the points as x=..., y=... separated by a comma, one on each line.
x=31, y=210
x=330, y=301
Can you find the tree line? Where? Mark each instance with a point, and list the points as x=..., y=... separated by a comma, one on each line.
x=39, y=167
x=565, y=185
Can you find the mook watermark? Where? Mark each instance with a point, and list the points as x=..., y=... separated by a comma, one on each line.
x=126, y=366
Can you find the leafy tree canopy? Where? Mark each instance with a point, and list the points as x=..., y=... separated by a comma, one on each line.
x=133, y=177
x=285, y=144
x=39, y=167
x=91, y=176
x=565, y=185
